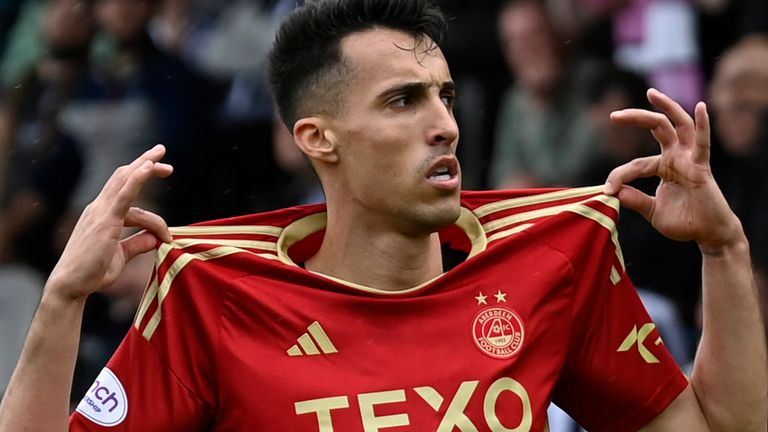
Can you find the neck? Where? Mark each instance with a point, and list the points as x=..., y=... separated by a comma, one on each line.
x=368, y=252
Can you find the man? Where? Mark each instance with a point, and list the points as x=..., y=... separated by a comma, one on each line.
x=343, y=318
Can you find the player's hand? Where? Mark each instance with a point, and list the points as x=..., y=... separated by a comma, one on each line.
x=95, y=254
x=688, y=204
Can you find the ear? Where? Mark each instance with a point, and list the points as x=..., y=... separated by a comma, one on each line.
x=315, y=140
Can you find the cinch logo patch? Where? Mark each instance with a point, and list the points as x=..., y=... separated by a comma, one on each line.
x=106, y=403
x=498, y=332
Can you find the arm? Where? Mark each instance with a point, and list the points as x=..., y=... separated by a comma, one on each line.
x=727, y=390
x=93, y=258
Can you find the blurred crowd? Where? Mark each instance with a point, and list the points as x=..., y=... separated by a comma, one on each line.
x=87, y=85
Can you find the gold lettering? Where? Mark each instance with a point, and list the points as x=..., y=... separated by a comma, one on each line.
x=372, y=423
x=489, y=405
x=638, y=337
x=454, y=416
x=431, y=396
x=322, y=408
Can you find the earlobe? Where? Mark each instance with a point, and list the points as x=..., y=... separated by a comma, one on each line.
x=315, y=140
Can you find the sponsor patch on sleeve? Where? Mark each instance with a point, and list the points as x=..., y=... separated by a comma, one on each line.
x=105, y=403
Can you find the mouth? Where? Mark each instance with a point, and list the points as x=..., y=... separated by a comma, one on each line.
x=444, y=173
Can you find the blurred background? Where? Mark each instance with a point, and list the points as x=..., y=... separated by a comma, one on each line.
x=88, y=85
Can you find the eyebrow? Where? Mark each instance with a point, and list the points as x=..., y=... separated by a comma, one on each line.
x=415, y=87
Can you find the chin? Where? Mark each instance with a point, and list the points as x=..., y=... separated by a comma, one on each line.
x=442, y=216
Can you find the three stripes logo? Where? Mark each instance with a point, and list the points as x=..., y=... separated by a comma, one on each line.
x=315, y=342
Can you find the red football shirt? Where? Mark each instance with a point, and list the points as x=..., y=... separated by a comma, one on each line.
x=233, y=335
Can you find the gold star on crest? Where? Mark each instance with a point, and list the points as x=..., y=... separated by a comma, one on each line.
x=481, y=299
x=500, y=297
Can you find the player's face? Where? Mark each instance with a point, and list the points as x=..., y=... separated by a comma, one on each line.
x=397, y=135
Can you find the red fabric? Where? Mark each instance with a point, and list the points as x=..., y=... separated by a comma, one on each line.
x=542, y=301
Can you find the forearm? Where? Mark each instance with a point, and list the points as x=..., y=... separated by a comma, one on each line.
x=45, y=370
x=729, y=375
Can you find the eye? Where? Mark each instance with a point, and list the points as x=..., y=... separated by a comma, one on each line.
x=449, y=100
x=401, y=102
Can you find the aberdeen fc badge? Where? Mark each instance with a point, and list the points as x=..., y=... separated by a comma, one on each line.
x=498, y=330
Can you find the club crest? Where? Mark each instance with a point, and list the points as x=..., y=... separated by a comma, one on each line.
x=498, y=332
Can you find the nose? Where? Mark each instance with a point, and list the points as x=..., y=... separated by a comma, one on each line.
x=444, y=130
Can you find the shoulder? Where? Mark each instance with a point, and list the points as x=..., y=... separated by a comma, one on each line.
x=545, y=212
x=576, y=222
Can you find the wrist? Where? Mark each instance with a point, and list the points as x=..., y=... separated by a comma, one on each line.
x=61, y=293
x=735, y=243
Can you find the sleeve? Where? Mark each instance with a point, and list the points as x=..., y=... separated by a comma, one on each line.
x=162, y=376
x=618, y=375
x=136, y=391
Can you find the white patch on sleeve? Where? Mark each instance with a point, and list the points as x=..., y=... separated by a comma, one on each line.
x=105, y=403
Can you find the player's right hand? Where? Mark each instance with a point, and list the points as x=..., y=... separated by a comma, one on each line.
x=95, y=254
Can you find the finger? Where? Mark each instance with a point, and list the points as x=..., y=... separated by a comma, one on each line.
x=163, y=169
x=701, y=149
x=126, y=196
x=633, y=199
x=137, y=217
x=658, y=123
x=680, y=118
x=637, y=168
x=121, y=174
x=129, y=192
x=138, y=244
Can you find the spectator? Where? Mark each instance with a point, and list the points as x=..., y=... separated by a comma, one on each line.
x=723, y=22
x=24, y=45
x=43, y=162
x=139, y=95
x=657, y=38
x=472, y=48
x=544, y=136
x=39, y=167
x=739, y=93
x=9, y=11
x=249, y=168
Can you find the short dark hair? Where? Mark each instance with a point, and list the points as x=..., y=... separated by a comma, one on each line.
x=306, y=68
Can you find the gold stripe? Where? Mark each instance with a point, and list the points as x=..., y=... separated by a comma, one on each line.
x=294, y=351
x=173, y=271
x=610, y=201
x=268, y=256
x=470, y=224
x=549, y=211
x=149, y=297
x=506, y=233
x=309, y=347
x=522, y=217
x=162, y=253
x=615, y=276
x=322, y=338
x=376, y=290
x=604, y=221
x=536, y=199
x=232, y=229
x=299, y=230
x=249, y=244
x=145, y=302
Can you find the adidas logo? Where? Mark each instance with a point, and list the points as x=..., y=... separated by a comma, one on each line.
x=315, y=342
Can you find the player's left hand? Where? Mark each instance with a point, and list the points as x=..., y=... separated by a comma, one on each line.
x=688, y=204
